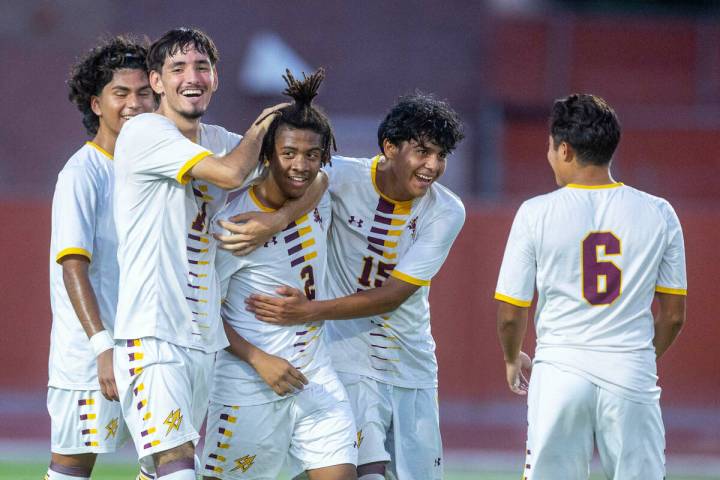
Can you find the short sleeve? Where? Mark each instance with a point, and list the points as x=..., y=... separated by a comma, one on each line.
x=73, y=213
x=516, y=282
x=154, y=147
x=419, y=264
x=672, y=275
x=226, y=264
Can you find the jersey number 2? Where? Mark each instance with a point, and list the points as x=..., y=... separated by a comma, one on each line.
x=309, y=278
x=601, y=279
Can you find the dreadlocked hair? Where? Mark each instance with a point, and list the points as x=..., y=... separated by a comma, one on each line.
x=301, y=114
x=96, y=69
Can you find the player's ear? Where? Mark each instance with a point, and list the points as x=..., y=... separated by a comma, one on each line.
x=389, y=149
x=216, y=80
x=95, y=105
x=156, y=82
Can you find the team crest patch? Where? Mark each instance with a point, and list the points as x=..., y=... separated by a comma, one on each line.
x=173, y=421
x=412, y=226
x=244, y=463
x=111, y=428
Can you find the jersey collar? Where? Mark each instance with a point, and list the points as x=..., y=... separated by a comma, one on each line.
x=99, y=149
x=595, y=187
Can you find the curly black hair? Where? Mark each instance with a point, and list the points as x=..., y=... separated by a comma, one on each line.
x=419, y=117
x=301, y=114
x=96, y=69
x=179, y=40
x=588, y=124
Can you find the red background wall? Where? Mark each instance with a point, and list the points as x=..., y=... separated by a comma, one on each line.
x=463, y=310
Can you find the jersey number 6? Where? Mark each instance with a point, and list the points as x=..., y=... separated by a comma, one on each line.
x=601, y=279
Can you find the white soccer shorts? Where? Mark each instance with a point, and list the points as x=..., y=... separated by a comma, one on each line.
x=163, y=391
x=566, y=411
x=83, y=421
x=311, y=429
x=399, y=425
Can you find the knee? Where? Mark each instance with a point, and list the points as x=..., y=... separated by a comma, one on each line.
x=180, y=456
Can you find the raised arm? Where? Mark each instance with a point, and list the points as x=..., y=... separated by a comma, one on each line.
x=230, y=171
x=669, y=320
x=294, y=308
x=82, y=296
x=511, y=326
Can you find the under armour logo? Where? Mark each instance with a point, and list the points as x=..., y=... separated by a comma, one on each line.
x=274, y=241
x=437, y=461
x=352, y=220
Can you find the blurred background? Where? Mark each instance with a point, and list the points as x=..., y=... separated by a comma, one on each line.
x=500, y=63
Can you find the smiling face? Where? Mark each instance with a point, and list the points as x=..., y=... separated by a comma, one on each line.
x=294, y=163
x=411, y=168
x=126, y=95
x=185, y=83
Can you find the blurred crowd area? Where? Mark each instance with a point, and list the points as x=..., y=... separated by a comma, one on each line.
x=499, y=62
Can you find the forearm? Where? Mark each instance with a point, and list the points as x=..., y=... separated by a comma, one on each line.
x=82, y=296
x=366, y=303
x=669, y=320
x=241, y=348
x=297, y=207
x=511, y=328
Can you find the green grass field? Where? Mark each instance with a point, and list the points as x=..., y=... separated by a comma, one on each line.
x=35, y=471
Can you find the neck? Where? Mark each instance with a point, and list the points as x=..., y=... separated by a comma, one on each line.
x=387, y=182
x=105, y=139
x=269, y=193
x=190, y=128
x=592, y=175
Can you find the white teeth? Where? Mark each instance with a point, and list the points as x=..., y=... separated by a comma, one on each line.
x=297, y=179
x=192, y=92
x=425, y=178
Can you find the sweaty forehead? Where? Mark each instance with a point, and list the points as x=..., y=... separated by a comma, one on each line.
x=183, y=53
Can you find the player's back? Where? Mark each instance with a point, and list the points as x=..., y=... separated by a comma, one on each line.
x=600, y=253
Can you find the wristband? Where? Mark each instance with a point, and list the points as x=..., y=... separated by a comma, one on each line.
x=101, y=341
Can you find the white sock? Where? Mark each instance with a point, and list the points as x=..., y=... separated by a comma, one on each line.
x=52, y=475
x=372, y=476
x=179, y=475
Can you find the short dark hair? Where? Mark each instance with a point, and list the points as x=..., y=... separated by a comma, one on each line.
x=588, y=124
x=96, y=68
x=421, y=116
x=301, y=114
x=180, y=40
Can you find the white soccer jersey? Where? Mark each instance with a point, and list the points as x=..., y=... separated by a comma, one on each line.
x=373, y=237
x=294, y=257
x=597, y=256
x=166, y=255
x=82, y=224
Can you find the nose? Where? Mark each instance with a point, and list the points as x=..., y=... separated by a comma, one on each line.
x=133, y=101
x=433, y=161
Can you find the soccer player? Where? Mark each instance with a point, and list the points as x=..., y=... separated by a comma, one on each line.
x=598, y=252
x=274, y=393
x=392, y=229
x=171, y=175
x=108, y=85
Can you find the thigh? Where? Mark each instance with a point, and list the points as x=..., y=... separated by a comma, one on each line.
x=83, y=421
x=416, y=445
x=630, y=438
x=154, y=382
x=561, y=413
x=371, y=405
x=248, y=442
x=324, y=433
